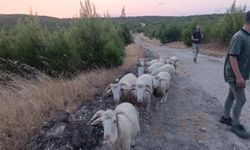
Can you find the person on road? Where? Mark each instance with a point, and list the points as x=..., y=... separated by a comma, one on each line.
x=236, y=72
x=196, y=37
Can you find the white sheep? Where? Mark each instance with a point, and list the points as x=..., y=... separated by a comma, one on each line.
x=140, y=71
x=122, y=90
x=164, y=59
x=120, y=126
x=173, y=60
x=161, y=84
x=165, y=68
x=141, y=62
x=151, y=62
x=154, y=66
x=143, y=89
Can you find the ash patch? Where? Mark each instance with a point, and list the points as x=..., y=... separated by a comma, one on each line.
x=70, y=130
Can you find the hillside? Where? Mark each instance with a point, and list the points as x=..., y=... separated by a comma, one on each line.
x=51, y=23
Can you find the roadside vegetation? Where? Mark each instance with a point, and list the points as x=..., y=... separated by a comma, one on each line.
x=217, y=28
x=90, y=42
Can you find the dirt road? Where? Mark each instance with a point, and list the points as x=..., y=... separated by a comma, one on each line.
x=189, y=118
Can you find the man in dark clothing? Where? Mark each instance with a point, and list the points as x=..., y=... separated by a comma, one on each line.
x=236, y=72
x=196, y=37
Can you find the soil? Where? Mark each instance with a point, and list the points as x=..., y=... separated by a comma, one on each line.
x=187, y=121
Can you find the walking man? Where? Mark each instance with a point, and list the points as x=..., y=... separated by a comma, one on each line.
x=236, y=72
x=196, y=37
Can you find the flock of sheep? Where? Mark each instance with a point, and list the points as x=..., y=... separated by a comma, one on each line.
x=121, y=125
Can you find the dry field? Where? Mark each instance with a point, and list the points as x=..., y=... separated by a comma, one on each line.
x=210, y=49
x=26, y=105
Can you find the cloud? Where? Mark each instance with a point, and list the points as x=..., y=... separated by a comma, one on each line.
x=161, y=3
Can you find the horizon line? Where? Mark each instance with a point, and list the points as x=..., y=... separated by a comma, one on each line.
x=218, y=13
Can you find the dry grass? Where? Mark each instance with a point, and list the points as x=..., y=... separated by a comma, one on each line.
x=179, y=45
x=214, y=49
x=26, y=107
x=210, y=49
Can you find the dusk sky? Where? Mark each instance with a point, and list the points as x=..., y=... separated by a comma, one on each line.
x=70, y=8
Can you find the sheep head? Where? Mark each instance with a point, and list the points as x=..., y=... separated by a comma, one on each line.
x=116, y=91
x=109, y=122
x=141, y=62
x=156, y=82
x=142, y=91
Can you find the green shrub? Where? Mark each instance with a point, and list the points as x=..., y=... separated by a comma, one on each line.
x=6, y=45
x=188, y=30
x=125, y=33
x=89, y=43
x=91, y=37
x=231, y=22
x=58, y=56
x=28, y=41
x=170, y=33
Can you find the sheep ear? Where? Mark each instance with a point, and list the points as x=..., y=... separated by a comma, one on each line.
x=133, y=87
x=96, y=119
x=117, y=80
x=156, y=77
x=147, y=88
x=163, y=80
x=122, y=84
x=138, y=62
x=118, y=112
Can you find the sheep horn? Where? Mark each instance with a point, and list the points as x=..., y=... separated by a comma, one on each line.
x=96, y=118
x=108, y=89
x=147, y=88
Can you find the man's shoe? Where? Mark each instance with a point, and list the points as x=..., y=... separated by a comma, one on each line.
x=228, y=121
x=239, y=130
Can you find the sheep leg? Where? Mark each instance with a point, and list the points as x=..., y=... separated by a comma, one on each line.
x=161, y=102
x=128, y=145
x=165, y=97
x=158, y=103
x=176, y=73
x=133, y=141
x=148, y=108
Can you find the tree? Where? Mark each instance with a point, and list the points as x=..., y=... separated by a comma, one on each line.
x=123, y=13
x=87, y=10
x=231, y=22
